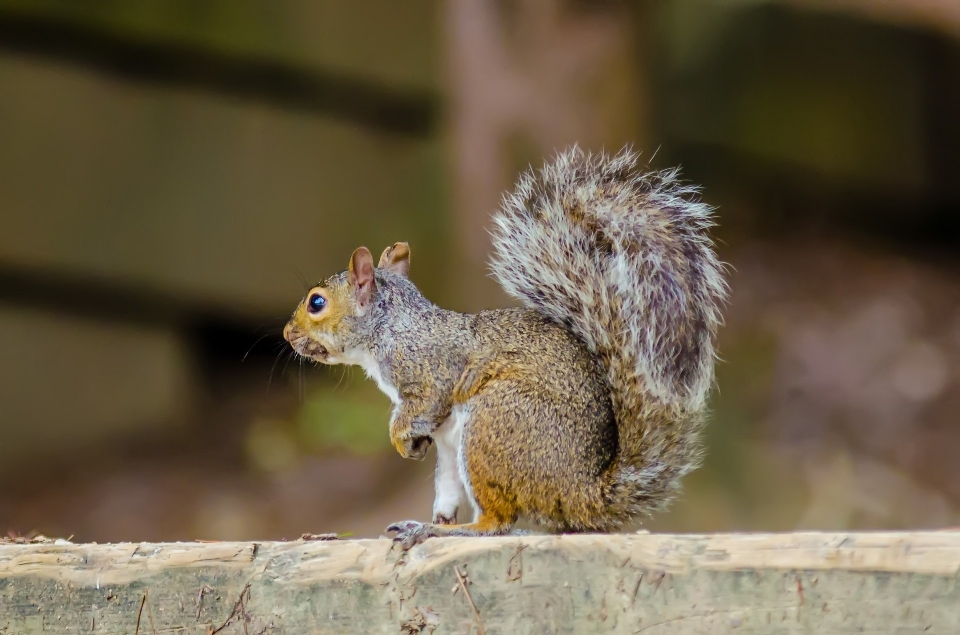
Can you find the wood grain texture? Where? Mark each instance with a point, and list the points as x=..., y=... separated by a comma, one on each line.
x=639, y=583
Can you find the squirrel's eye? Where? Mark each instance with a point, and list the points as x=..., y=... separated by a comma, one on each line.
x=316, y=303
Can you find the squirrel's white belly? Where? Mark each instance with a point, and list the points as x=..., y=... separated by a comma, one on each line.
x=452, y=482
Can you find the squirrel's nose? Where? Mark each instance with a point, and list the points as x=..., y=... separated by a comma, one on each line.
x=288, y=331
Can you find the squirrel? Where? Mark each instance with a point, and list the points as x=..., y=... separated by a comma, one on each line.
x=579, y=411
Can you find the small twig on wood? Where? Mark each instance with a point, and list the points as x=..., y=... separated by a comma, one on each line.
x=463, y=587
x=140, y=613
x=203, y=591
x=153, y=626
x=516, y=560
x=239, y=608
x=636, y=590
x=308, y=537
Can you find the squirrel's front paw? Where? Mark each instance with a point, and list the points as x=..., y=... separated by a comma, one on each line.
x=412, y=447
x=411, y=532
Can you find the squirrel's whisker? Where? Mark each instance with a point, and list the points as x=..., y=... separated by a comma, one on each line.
x=259, y=339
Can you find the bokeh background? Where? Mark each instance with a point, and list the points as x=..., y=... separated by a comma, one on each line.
x=174, y=173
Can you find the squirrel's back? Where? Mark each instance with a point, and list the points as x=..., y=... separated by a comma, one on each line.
x=622, y=258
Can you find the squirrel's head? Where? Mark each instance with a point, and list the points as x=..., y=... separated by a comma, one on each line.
x=334, y=322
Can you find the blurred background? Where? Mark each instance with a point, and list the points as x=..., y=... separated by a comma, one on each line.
x=173, y=175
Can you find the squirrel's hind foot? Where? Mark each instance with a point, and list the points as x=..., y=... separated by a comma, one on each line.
x=412, y=532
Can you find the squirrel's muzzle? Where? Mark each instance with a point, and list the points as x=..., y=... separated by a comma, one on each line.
x=303, y=345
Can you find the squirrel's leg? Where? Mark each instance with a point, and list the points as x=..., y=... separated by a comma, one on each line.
x=450, y=493
x=495, y=520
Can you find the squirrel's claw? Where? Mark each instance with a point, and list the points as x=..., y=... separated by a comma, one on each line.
x=412, y=447
x=440, y=519
x=411, y=533
x=404, y=525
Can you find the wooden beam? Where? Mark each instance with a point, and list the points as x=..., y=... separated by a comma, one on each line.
x=386, y=44
x=821, y=583
x=174, y=64
x=203, y=221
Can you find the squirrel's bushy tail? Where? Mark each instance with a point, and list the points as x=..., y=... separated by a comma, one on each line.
x=623, y=259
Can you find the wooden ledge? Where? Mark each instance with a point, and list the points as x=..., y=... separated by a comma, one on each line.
x=822, y=583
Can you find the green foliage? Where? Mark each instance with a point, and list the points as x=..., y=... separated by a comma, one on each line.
x=353, y=419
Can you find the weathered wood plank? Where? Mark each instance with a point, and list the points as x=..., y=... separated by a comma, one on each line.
x=765, y=583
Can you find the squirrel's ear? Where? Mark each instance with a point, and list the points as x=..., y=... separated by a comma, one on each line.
x=360, y=278
x=396, y=259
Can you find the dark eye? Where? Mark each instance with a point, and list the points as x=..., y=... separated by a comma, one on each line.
x=316, y=303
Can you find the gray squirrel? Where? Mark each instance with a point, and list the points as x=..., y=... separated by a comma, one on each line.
x=578, y=411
